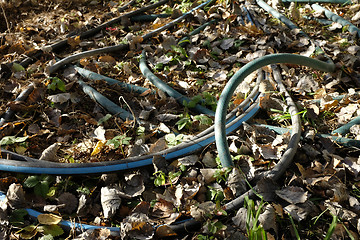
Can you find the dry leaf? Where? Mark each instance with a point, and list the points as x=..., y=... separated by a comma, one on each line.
x=15, y=196
x=49, y=219
x=110, y=200
x=293, y=194
x=74, y=41
x=49, y=154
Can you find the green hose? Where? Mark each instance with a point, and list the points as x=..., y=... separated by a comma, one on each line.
x=280, y=16
x=167, y=89
x=319, y=1
x=346, y=128
x=238, y=77
x=346, y=142
x=335, y=18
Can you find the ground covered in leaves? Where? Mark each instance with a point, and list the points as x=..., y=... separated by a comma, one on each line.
x=316, y=198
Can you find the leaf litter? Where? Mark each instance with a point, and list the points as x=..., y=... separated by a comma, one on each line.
x=60, y=123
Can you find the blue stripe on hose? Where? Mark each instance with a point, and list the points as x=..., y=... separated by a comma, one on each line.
x=128, y=165
x=35, y=214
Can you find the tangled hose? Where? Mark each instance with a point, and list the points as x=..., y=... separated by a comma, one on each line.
x=123, y=46
x=238, y=77
x=336, y=18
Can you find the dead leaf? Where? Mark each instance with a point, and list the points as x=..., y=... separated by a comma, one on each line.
x=49, y=154
x=203, y=210
x=237, y=182
x=108, y=59
x=15, y=196
x=69, y=201
x=293, y=194
x=59, y=98
x=49, y=219
x=110, y=200
x=240, y=219
x=162, y=209
x=268, y=218
x=74, y=41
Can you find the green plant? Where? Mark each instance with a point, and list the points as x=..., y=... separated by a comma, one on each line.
x=203, y=120
x=119, y=141
x=294, y=227
x=39, y=183
x=56, y=83
x=222, y=174
x=254, y=229
x=216, y=195
x=173, y=140
x=214, y=226
x=184, y=122
x=104, y=119
x=160, y=178
x=331, y=227
x=48, y=227
x=8, y=140
x=205, y=237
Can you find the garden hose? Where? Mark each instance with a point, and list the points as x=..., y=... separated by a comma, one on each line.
x=67, y=224
x=148, y=18
x=319, y=20
x=22, y=97
x=98, y=77
x=123, y=46
x=336, y=18
x=346, y=128
x=104, y=101
x=167, y=89
x=280, y=16
x=238, y=77
x=35, y=166
x=319, y=1
x=346, y=142
x=62, y=43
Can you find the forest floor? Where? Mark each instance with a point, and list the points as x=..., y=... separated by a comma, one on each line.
x=317, y=196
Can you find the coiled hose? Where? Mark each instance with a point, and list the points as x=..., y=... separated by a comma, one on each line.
x=238, y=77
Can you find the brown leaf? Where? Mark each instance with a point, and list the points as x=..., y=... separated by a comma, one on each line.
x=74, y=41
x=162, y=209
x=293, y=194
x=49, y=219
x=107, y=59
x=164, y=231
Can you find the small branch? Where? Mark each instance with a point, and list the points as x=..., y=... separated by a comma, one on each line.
x=6, y=20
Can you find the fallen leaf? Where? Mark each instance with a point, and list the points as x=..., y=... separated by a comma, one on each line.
x=293, y=194
x=49, y=154
x=110, y=200
x=49, y=219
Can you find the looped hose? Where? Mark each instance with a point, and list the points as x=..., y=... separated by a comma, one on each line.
x=238, y=77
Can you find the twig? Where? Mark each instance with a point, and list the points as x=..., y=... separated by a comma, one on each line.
x=6, y=20
x=132, y=112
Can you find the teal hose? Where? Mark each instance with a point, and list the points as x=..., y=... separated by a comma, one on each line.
x=335, y=18
x=319, y=1
x=167, y=89
x=346, y=142
x=105, y=102
x=183, y=41
x=280, y=16
x=346, y=128
x=95, y=76
x=238, y=77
